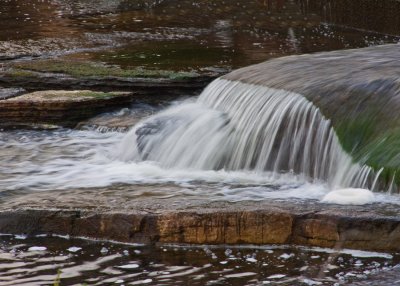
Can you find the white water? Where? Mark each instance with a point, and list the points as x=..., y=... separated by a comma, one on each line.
x=236, y=126
x=349, y=196
x=236, y=141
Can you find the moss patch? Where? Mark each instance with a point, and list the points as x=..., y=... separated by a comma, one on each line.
x=80, y=69
x=370, y=143
x=20, y=73
x=78, y=94
x=95, y=94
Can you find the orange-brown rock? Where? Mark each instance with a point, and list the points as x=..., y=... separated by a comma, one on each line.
x=92, y=213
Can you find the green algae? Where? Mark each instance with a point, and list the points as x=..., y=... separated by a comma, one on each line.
x=98, y=94
x=19, y=73
x=86, y=94
x=371, y=143
x=86, y=69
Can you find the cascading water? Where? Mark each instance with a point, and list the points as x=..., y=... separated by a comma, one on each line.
x=237, y=126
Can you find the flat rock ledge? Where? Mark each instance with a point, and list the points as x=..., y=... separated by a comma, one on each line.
x=33, y=81
x=59, y=107
x=374, y=227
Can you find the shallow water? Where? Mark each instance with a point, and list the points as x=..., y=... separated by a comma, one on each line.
x=37, y=260
x=181, y=35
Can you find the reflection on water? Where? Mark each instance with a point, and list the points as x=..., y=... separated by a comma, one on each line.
x=164, y=34
x=36, y=261
x=381, y=16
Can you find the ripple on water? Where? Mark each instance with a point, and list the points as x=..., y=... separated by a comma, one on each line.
x=182, y=264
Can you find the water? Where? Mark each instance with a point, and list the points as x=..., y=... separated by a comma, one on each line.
x=235, y=126
x=37, y=260
x=234, y=142
x=178, y=35
x=217, y=138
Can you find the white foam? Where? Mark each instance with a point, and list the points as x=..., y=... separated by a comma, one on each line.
x=352, y=252
x=349, y=196
x=37, y=248
x=74, y=249
x=251, y=259
x=129, y=266
x=276, y=276
x=240, y=275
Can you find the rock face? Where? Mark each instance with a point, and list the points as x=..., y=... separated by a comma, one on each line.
x=59, y=107
x=91, y=213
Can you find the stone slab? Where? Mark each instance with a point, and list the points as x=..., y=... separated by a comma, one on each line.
x=106, y=215
x=59, y=107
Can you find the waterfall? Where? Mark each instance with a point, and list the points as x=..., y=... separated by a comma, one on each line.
x=239, y=126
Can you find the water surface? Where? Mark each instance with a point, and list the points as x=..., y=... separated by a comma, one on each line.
x=37, y=260
x=180, y=35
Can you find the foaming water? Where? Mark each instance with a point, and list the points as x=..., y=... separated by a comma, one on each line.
x=67, y=159
x=235, y=126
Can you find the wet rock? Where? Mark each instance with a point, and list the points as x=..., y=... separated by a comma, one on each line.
x=92, y=213
x=10, y=50
x=59, y=107
x=223, y=226
x=67, y=74
x=6, y=93
x=122, y=120
x=149, y=134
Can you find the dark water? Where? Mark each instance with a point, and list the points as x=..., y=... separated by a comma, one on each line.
x=37, y=260
x=182, y=35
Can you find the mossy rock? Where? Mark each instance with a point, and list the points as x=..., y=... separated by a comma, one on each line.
x=80, y=69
